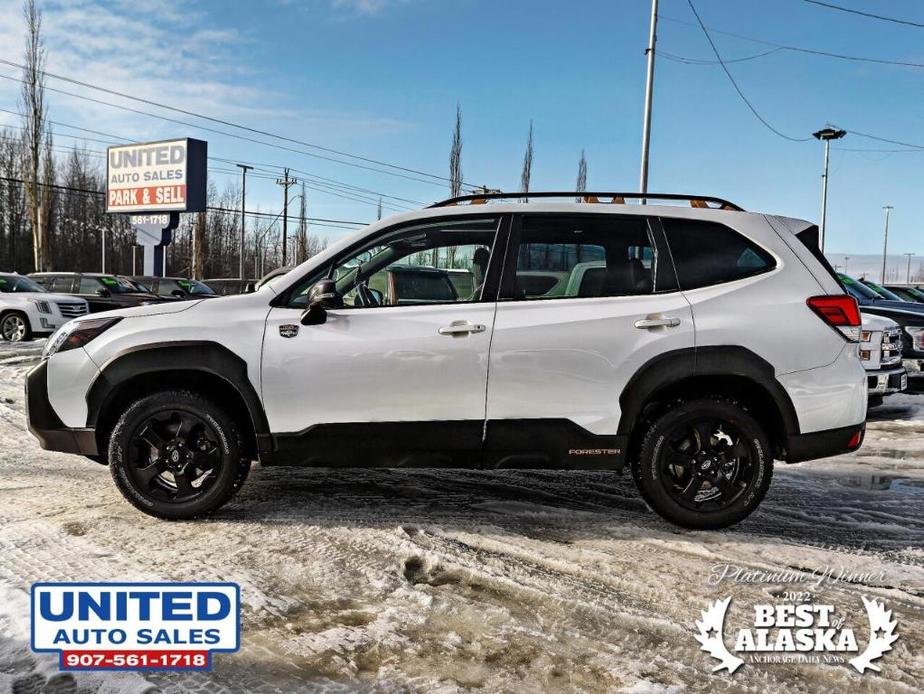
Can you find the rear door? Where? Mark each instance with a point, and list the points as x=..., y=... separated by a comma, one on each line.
x=585, y=301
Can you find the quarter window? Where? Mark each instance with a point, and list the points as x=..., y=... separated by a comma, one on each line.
x=707, y=253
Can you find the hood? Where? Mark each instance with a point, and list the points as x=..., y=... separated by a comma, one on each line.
x=158, y=309
x=873, y=322
x=41, y=296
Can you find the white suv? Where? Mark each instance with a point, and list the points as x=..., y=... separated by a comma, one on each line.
x=697, y=344
x=27, y=310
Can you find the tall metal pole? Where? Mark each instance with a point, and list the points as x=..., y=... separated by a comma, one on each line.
x=285, y=183
x=824, y=197
x=649, y=89
x=104, y=250
x=846, y=260
x=244, y=169
x=885, y=241
x=908, y=276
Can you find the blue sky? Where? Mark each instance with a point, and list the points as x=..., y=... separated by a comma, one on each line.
x=381, y=78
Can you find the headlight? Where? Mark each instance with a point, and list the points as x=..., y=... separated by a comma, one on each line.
x=42, y=306
x=864, y=354
x=77, y=334
x=917, y=337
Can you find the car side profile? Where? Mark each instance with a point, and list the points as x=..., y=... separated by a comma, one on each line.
x=27, y=310
x=101, y=292
x=692, y=344
x=175, y=287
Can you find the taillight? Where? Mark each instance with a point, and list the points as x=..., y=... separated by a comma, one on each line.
x=840, y=311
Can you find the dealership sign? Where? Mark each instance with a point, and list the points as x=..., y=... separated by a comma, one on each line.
x=167, y=176
x=133, y=626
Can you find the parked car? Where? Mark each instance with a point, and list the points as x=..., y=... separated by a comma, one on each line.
x=101, y=292
x=27, y=310
x=910, y=316
x=398, y=285
x=614, y=372
x=882, y=291
x=175, y=287
x=881, y=353
x=231, y=287
x=907, y=293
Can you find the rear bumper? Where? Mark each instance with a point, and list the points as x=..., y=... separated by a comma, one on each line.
x=45, y=424
x=823, y=444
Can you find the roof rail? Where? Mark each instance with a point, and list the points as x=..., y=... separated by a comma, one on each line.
x=699, y=201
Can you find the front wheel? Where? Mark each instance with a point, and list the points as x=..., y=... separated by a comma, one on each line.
x=176, y=455
x=14, y=327
x=704, y=464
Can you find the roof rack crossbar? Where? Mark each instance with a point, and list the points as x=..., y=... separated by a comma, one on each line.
x=619, y=198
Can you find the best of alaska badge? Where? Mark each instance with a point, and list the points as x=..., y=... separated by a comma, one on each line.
x=796, y=633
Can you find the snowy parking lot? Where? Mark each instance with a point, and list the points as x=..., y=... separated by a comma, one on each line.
x=426, y=580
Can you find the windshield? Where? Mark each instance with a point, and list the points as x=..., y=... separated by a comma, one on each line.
x=119, y=285
x=915, y=292
x=858, y=290
x=194, y=287
x=14, y=283
x=883, y=292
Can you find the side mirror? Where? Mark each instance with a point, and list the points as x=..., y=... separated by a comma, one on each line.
x=321, y=297
x=102, y=291
x=178, y=293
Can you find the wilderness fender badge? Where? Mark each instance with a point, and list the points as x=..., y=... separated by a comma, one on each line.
x=288, y=330
x=796, y=633
x=135, y=626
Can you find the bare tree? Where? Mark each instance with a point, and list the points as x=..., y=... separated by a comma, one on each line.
x=527, y=162
x=34, y=124
x=581, y=185
x=455, y=157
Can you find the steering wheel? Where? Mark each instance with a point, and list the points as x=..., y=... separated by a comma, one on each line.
x=367, y=298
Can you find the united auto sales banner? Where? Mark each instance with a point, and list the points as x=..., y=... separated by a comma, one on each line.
x=168, y=176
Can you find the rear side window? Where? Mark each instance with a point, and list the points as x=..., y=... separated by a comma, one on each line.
x=707, y=253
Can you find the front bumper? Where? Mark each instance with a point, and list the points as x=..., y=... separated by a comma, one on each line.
x=887, y=381
x=823, y=444
x=45, y=424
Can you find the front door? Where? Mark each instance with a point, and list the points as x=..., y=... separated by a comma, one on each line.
x=398, y=375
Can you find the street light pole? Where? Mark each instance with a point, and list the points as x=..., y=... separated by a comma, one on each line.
x=826, y=135
x=244, y=169
x=846, y=259
x=885, y=240
x=908, y=276
x=649, y=90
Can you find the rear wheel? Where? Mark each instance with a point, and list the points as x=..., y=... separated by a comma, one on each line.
x=14, y=327
x=704, y=464
x=176, y=455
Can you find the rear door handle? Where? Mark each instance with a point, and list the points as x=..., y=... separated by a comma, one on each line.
x=648, y=323
x=461, y=328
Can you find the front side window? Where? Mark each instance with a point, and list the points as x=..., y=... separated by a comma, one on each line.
x=18, y=283
x=707, y=253
x=567, y=257
x=433, y=263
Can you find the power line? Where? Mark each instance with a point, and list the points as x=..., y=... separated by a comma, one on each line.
x=699, y=61
x=317, y=221
x=880, y=17
x=735, y=84
x=795, y=49
x=231, y=124
x=885, y=139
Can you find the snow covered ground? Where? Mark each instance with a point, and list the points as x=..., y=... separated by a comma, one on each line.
x=437, y=581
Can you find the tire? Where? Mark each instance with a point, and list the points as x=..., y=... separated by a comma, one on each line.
x=874, y=401
x=704, y=464
x=176, y=455
x=14, y=327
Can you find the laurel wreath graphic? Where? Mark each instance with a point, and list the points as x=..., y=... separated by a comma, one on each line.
x=881, y=636
x=710, y=636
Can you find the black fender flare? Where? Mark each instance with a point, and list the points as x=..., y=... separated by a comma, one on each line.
x=666, y=369
x=204, y=356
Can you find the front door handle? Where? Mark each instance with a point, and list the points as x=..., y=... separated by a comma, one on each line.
x=461, y=328
x=648, y=323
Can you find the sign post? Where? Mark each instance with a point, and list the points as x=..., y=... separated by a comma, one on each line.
x=153, y=182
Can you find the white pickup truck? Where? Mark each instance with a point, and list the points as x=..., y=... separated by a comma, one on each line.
x=881, y=354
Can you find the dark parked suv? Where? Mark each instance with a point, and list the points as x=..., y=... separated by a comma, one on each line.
x=102, y=292
x=176, y=287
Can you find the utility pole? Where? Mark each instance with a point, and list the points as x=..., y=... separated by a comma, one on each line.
x=649, y=89
x=286, y=183
x=908, y=276
x=885, y=240
x=846, y=260
x=244, y=169
x=826, y=135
